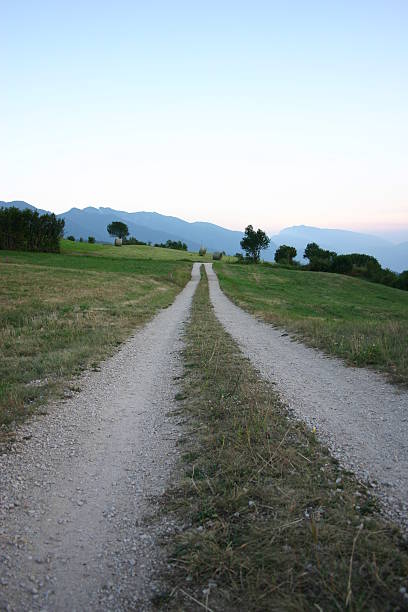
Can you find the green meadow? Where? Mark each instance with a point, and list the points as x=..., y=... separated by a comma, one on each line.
x=129, y=252
x=364, y=323
x=62, y=313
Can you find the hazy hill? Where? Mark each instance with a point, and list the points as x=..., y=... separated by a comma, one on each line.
x=22, y=205
x=93, y=221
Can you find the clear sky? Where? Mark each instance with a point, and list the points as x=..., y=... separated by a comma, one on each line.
x=262, y=112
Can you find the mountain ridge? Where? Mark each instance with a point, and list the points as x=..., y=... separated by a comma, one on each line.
x=157, y=228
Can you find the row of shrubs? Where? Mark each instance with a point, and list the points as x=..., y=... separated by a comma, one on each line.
x=27, y=230
x=91, y=239
x=173, y=244
x=353, y=264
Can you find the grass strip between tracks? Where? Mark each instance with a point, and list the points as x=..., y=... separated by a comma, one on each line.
x=269, y=519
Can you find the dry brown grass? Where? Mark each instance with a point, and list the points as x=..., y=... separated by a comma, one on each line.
x=56, y=321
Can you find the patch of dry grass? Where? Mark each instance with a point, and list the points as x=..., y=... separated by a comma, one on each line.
x=56, y=320
x=269, y=520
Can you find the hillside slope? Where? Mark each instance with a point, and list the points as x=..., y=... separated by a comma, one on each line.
x=362, y=322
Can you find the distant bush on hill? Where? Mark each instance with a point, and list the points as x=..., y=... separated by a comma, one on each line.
x=173, y=244
x=27, y=230
x=134, y=241
x=285, y=254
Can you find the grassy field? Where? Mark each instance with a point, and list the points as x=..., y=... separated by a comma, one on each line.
x=362, y=322
x=62, y=313
x=129, y=251
x=269, y=520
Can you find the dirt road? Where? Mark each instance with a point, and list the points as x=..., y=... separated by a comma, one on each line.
x=76, y=490
x=362, y=418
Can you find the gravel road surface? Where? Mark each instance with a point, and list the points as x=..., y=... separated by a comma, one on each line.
x=362, y=418
x=76, y=489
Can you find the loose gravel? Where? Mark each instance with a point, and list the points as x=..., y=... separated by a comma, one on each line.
x=360, y=416
x=77, y=488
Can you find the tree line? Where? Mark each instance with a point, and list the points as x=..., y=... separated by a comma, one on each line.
x=321, y=260
x=352, y=264
x=27, y=230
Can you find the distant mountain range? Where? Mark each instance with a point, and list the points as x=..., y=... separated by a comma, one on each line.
x=155, y=228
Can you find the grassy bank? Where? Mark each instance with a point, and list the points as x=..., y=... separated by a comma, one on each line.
x=62, y=313
x=270, y=522
x=130, y=251
x=362, y=322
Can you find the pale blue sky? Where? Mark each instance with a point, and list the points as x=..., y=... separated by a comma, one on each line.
x=270, y=113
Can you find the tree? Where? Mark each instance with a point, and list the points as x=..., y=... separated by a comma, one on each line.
x=118, y=229
x=253, y=242
x=320, y=259
x=27, y=230
x=285, y=254
x=402, y=281
x=342, y=264
x=312, y=250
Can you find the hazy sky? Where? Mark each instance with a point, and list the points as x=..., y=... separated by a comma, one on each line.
x=270, y=113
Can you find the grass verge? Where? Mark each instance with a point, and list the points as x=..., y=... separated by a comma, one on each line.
x=364, y=323
x=60, y=314
x=269, y=520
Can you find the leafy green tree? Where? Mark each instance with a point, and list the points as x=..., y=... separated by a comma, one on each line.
x=402, y=280
x=320, y=259
x=312, y=250
x=342, y=264
x=27, y=230
x=91, y=239
x=253, y=242
x=118, y=229
x=285, y=254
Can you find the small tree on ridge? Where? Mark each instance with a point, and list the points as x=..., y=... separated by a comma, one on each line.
x=118, y=229
x=253, y=242
x=285, y=254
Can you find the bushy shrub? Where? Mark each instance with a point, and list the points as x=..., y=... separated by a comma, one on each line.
x=202, y=251
x=91, y=239
x=27, y=230
x=285, y=254
x=72, y=238
x=81, y=239
x=133, y=240
x=217, y=255
x=402, y=281
x=173, y=244
x=342, y=264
